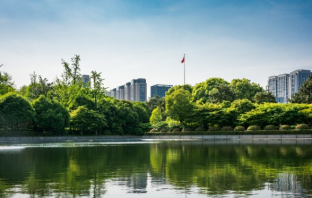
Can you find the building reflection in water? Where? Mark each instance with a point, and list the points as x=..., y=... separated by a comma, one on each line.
x=288, y=185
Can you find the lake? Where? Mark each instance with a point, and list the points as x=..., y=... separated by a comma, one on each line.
x=155, y=169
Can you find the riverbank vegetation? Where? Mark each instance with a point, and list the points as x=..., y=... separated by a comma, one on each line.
x=69, y=106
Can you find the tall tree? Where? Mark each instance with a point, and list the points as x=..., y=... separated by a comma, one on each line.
x=70, y=84
x=97, y=82
x=38, y=86
x=6, y=83
x=178, y=105
x=244, y=89
x=202, y=91
x=222, y=93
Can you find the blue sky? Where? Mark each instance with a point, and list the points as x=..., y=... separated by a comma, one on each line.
x=127, y=39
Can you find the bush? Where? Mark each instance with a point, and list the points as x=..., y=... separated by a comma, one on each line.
x=176, y=130
x=227, y=128
x=163, y=130
x=253, y=128
x=187, y=129
x=153, y=130
x=285, y=127
x=302, y=126
x=138, y=131
x=160, y=125
x=239, y=128
x=270, y=127
x=213, y=128
x=200, y=129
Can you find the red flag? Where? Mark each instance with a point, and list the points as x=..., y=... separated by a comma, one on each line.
x=182, y=60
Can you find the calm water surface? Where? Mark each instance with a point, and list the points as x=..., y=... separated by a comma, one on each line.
x=155, y=169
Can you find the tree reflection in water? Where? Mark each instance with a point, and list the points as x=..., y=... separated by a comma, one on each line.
x=186, y=167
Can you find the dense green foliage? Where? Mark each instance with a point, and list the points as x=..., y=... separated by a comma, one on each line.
x=6, y=83
x=156, y=116
x=87, y=120
x=15, y=110
x=50, y=115
x=209, y=105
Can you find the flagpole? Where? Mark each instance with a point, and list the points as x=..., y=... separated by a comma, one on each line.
x=184, y=69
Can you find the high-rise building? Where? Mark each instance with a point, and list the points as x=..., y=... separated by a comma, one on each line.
x=128, y=91
x=282, y=88
x=120, y=93
x=296, y=78
x=159, y=90
x=285, y=85
x=113, y=93
x=272, y=85
x=138, y=90
x=85, y=80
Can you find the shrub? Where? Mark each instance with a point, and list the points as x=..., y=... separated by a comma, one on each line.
x=138, y=131
x=302, y=126
x=163, y=130
x=239, y=128
x=285, y=127
x=270, y=127
x=200, y=129
x=227, y=128
x=187, y=129
x=213, y=128
x=153, y=130
x=160, y=125
x=176, y=130
x=253, y=128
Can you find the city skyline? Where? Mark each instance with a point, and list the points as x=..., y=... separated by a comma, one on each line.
x=121, y=39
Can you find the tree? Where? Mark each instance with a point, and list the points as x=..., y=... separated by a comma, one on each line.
x=304, y=94
x=202, y=91
x=243, y=89
x=6, y=83
x=209, y=114
x=178, y=105
x=82, y=100
x=37, y=88
x=87, y=120
x=97, y=83
x=276, y=114
x=70, y=84
x=156, y=116
x=186, y=87
x=50, y=115
x=15, y=110
x=142, y=110
x=264, y=96
x=221, y=93
x=155, y=102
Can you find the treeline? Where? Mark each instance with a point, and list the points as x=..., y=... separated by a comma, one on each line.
x=239, y=105
x=67, y=105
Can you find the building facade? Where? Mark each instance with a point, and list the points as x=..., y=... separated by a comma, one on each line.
x=285, y=85
x=296, y=78
x=159, y=90
x=136, y=90
x=85, y=80
x=282, y=88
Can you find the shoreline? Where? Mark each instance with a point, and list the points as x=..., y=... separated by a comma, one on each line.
x=253, y=138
